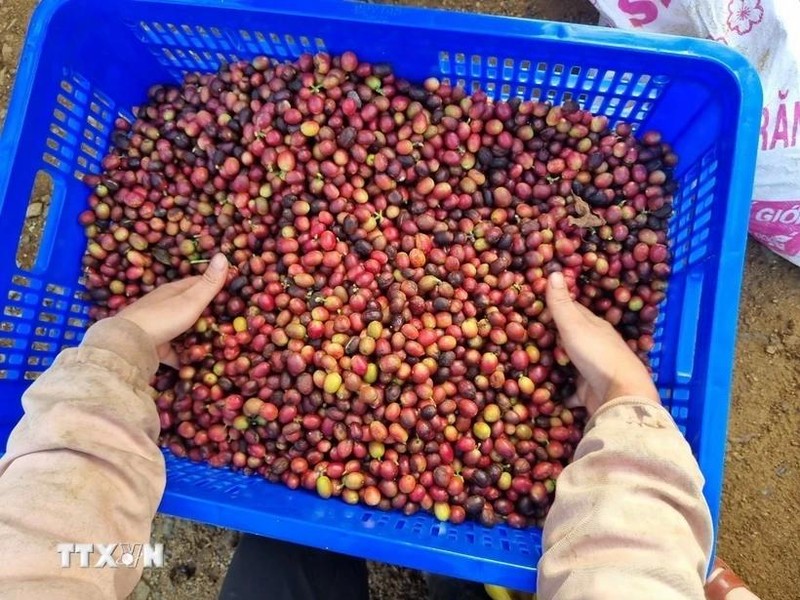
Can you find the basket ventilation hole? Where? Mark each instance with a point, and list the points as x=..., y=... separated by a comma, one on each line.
x=35, y=218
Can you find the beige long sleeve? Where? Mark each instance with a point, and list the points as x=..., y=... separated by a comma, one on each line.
x=629, y=520
x=82, y=466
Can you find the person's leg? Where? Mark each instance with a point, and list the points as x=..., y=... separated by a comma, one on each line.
x=268, y=569
x=447, y=588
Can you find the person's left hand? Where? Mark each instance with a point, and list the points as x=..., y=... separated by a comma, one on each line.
x=171, y=309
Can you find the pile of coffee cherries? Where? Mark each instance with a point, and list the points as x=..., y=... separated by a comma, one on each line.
x=383, y=336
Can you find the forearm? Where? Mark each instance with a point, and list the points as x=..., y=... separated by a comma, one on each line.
x=629, y=519
x=82, y=466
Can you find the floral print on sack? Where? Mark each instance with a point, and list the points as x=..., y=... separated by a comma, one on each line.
x=743, y=15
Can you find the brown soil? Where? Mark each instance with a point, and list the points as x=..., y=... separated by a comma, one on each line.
x=761, y=508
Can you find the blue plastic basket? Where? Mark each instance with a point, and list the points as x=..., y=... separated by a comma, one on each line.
x=86, y=61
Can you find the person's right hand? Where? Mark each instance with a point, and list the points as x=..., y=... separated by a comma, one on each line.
x=608, y=368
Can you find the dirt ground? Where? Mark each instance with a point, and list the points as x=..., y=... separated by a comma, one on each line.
x=761, y=508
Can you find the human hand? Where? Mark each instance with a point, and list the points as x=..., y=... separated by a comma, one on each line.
x=607, y=367
x=171, y=309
